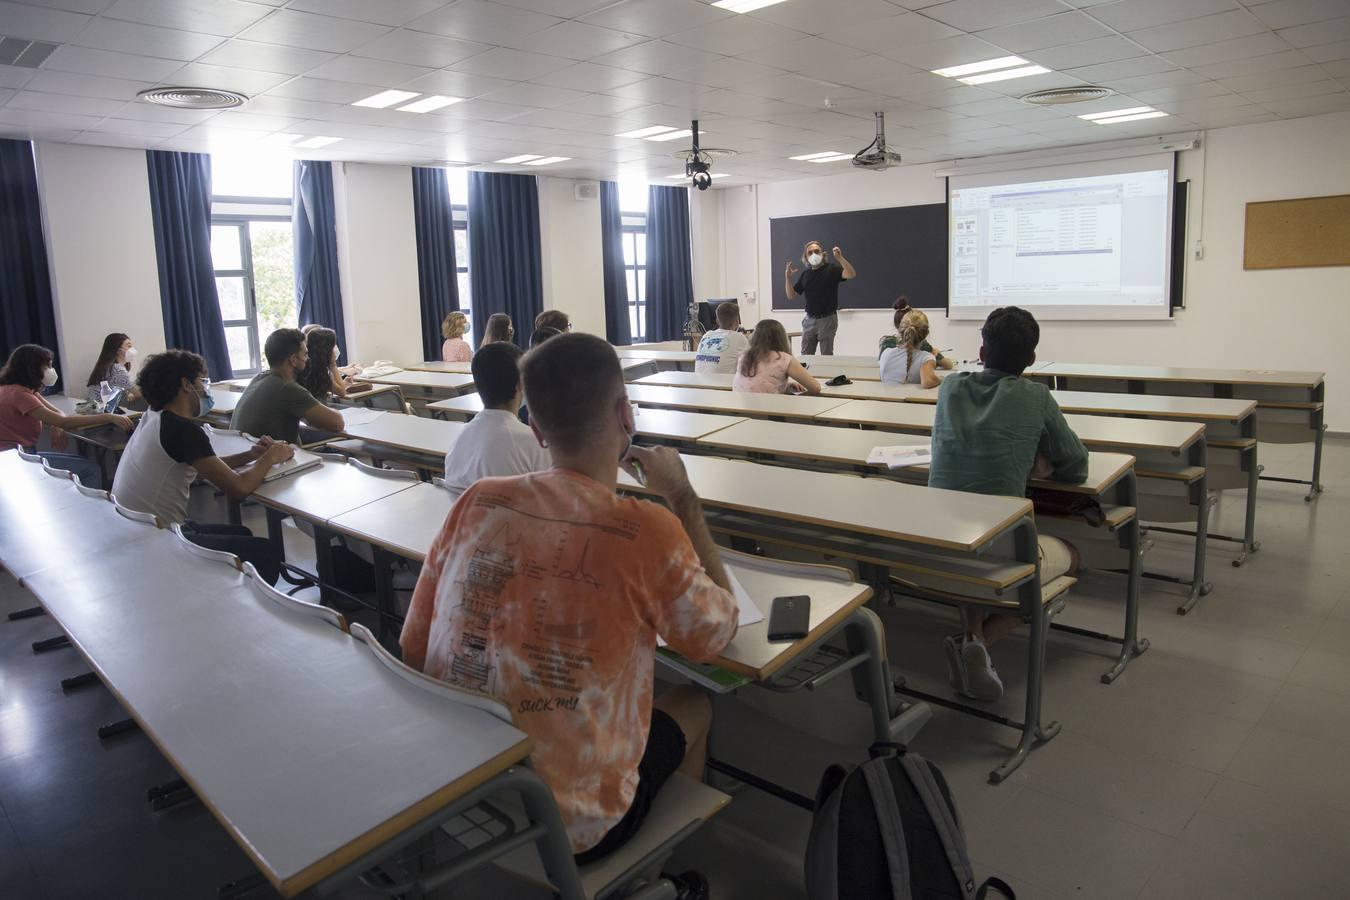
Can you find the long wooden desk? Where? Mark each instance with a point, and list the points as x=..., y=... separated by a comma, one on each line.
x=1290, y=405
x=422, y=387
x=632, y=367
x=859, y=390
x=763, y=406
x=333, y=758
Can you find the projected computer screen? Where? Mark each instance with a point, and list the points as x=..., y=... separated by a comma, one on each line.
x=1093, y=242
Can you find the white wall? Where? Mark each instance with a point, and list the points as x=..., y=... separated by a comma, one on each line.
x=569, y=241
x=101, y=252
x=377, y=261
x=1273, y=319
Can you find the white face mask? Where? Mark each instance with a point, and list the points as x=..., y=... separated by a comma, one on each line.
x=815, y=259
x=49, y=377
x=337, y=354
x=131, y=354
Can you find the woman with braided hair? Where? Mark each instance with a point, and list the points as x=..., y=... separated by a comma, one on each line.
x=908, y=362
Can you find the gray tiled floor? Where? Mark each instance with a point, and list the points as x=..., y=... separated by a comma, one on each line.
x=1215, y=767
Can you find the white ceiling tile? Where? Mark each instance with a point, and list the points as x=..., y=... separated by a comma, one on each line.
x=568, y=9
x=1329, y=52
x=659, y=90
x=35, y=118
x=1154, y=81
x=88, y=61
x=656, y=58
x=1338, y=69
x=1052, y=31
x=248, y=121
x=543, y=96
x=90, y=7
x=1292, y=91
x=1255, y=45
x=129, y=37
x=1262, y=80
x=656, y=18
x=885, y=36
x=420, y=48
x=568, y=121
x=1318, y=32
x=456, y=84
x=737, y=36
x=312, y=32
x=1121, y=68
x=220, y=17
x=15, y=77
x=1246, y=65
x=591, y=77
x=1131, y=15
x=134, y=128
x=38, y=24
x=306, y=88
x=485, y=109
x=1284, y=13
x=953, y=51
x=1016, y=87
x=368, y=71
x=272, y=105
x=974, y=15
x=1310, y=106
x=1098, y=50
x=516, y=65
x=576, y=40
x=1194, y=32
x=603, y=105
x=245, y=81
x=733, y=103
x=1194, y=91
x=379, y=12
x=112, y=139
x=488, y=23
x=149, y=112
x=725, y=71
x=65, y=103
x=267, y=57
x=1237, y=115
x=86, y=85
x=817, y=16
x=986, y=108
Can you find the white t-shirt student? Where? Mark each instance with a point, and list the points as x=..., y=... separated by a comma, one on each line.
x=155, y=473
x=893, y=369
x=718, y=350
x=495, y=443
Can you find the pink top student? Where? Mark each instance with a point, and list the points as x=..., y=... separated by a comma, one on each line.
x=767, y=366
x=455, y=348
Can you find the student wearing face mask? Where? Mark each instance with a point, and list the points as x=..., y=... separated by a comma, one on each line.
x=319, y=380
x=169, y=450
x=114, y=366
x=274, y=403
x=819, y=284
x=23, y=412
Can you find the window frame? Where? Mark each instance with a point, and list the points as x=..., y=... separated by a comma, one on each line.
x=633, y=224
x=459, y=220
x=240, y=222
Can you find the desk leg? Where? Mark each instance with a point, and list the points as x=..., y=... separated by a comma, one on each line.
x=892, y=721
x=1199, y=586
x=1316, y=488
x=323, y=561
x=384, y=590
x=1033, y=733
x=1131, y=645
x=1249, y=542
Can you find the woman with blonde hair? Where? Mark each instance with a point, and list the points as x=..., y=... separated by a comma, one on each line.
x=767, y=366
x=908, y=362
x=498, y=328
x=455, y=348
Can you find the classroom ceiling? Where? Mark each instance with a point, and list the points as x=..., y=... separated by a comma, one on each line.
x=564, y=77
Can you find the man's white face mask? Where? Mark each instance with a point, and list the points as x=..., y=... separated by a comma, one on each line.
x=815, y=259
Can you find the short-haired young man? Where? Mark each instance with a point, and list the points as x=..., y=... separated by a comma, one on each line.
x=548, y=591
x=496, y=442
x=553, y=318
x=992, y=430
x=720, y=348
x=167, y=452
x=274, y=403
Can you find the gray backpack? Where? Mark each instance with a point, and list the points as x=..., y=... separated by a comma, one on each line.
x=889, y=829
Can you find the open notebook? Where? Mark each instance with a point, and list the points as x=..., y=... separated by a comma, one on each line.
x=227, y=443
x=902, y=456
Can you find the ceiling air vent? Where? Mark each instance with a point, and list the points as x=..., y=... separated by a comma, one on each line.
x=23, y=52
x=193, y=98
x=1056, y=96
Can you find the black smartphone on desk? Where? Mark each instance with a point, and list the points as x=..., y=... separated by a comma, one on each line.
x=790, y=618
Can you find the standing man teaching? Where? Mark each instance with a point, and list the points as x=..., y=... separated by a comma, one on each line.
x=820, y=285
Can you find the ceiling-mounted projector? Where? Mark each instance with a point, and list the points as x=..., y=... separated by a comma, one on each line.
x=875, y=156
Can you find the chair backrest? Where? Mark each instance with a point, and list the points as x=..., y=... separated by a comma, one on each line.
x=136, y=515
x=392, y=474
x=55, y=472
x=222, y=556
x=475, y=699
x=29, y=457
x=439, y=482
x=91, y=492
x=291, y=604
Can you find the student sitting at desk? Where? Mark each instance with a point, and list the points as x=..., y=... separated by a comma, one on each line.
x=887, y=341
x=720, y=348
x=498, y=328
x=495, y=442
x=548, y=591
x=909, y=363
x=113, y=366
x=321, y=380
x=455, y=348
x=274, y=403
x=169, y=450
x=23, y=412
x=992, y=431
x=767, y=365
x=553, y=318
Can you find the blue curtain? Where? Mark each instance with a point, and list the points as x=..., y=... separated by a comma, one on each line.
x=26, y=312
x=438, y=285
x=505, y=267
x=180, y=206
x=318, y=291
x=670, y=274
x=617, y=327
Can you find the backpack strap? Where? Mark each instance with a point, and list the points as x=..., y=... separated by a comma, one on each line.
x=921, y=776
x=890, y=826
x=997, y=884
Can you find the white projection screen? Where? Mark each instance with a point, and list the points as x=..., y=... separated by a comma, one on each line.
x=1088, y=240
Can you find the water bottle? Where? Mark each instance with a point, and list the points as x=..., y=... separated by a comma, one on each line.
x=105, y=393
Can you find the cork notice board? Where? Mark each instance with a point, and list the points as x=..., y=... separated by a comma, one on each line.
x=1287, y=234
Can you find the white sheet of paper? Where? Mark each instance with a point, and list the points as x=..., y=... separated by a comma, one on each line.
x=749, y=611
x=899, y=457
x=360, y=415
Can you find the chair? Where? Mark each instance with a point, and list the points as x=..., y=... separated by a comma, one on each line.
x=136, y=515
x=392, y=474
x=28, y=457
x=185, y=543
x=289, y=603
x=91, y=492
x=55, y=472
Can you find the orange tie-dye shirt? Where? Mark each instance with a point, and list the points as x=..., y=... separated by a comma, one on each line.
x=548, y=591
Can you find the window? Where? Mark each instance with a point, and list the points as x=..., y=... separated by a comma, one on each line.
x=252, y=252
x=635, y=269
x=458, y=180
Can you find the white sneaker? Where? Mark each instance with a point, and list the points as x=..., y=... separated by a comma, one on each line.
x=956, y=669
x=981, y=681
